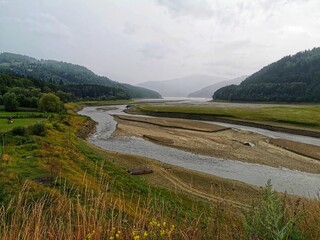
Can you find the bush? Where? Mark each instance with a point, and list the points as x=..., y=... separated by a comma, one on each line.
x=19, y=131
x=57, y=126
x=38, y=129
x=270, y=219
x=50, y=103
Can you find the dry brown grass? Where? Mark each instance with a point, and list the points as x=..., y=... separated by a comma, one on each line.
x=87, y=214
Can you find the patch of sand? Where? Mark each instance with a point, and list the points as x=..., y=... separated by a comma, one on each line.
x=224, y=143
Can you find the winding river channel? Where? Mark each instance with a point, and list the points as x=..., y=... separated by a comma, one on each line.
x=291, y=181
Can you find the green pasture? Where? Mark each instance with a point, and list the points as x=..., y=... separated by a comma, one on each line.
x=299, y=115
x=5, y=126
x=20, y=118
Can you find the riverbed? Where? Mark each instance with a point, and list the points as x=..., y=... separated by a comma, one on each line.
x=293, y=182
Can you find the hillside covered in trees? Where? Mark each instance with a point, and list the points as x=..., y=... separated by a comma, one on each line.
x=26, y=91
x=291, y=79
x=61, y=73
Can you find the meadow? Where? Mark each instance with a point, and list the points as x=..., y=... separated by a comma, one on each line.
x=303, y=116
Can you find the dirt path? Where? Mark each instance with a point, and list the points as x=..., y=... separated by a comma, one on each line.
x=186, y=188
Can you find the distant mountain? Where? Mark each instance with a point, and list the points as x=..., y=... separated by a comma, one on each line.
x=208, y=91
x=62, y=73
x=291, y=79
x=181, y=87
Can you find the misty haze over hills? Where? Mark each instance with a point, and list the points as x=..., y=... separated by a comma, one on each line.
x=181, y=87
x=208, y=91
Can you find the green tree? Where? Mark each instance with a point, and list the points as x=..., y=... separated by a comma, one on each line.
x=10, y=102
x=50, y=103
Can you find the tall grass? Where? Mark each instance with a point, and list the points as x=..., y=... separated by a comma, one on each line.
x=70, y=212
x=86, y=214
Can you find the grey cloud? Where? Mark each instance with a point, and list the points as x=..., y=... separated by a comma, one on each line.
x=194, y=8
x=227, y=68
x=155, y=51
x=129, y=28
x=45, y=24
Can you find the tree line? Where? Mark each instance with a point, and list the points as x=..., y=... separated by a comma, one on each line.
x=18, y=91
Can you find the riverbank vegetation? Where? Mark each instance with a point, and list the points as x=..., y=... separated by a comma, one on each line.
x=301, y=116
x=54, y=185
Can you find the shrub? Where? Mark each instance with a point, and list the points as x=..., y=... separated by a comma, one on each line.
x=38, y=129
x=50, y=103
x=19, y=131
x=270, y=219
x=57, y=127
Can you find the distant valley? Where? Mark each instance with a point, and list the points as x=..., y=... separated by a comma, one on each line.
x=208, y=91
x=182, y=87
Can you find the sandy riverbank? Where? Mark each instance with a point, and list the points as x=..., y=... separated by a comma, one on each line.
x=223, y=143
x=184, y=181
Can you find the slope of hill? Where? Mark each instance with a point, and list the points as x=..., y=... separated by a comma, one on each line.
x=27, y=91
x=291, y=79
x=64, y=73
x=208, y=91
x=181, y=87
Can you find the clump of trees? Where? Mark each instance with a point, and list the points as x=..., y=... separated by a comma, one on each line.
x=18, y=91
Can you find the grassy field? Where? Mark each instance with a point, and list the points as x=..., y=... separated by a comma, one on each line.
x=20, y=118
x=17, y=122
x=307, y=116
x=58, y=186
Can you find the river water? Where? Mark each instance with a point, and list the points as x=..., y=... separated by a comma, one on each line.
x=284, y=180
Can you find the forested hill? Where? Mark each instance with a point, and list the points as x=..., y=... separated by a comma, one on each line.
x=62, y=73
x=291, y=79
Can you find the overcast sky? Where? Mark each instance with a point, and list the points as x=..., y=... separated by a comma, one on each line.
x=141, y=40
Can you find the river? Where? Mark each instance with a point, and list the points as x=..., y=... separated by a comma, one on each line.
x=284, y=180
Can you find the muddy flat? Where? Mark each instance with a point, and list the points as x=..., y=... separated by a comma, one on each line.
x=223, y=143
x=175, y=123
x=307, y=150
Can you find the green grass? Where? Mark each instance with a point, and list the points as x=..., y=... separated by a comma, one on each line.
x=110, y=102
x=17, y=122
x=22, y=118
x=296, y=115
